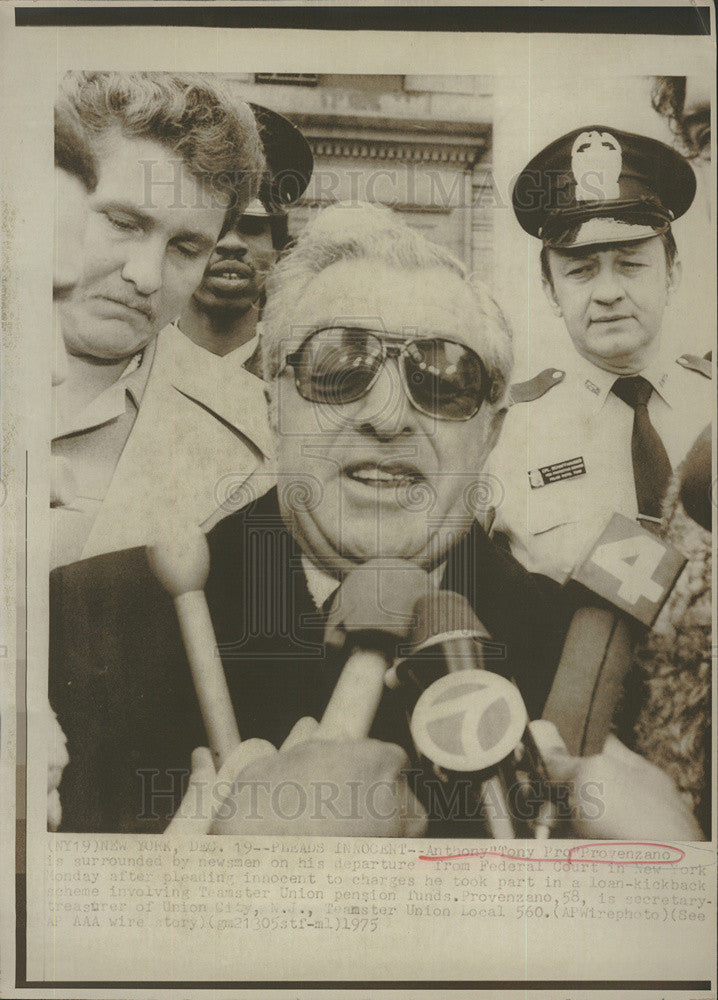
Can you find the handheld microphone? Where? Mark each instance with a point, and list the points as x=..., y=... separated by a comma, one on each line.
x=631, y=571
x=181, y=564
x=696, y=486
x=465, y=720
x=371, y=616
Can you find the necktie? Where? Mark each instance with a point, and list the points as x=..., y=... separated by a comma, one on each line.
x=651, y=465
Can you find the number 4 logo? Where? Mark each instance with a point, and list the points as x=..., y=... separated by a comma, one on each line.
x=632, y=561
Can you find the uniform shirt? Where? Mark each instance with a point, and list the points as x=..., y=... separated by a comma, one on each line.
x=580, y=422
x=85, y=451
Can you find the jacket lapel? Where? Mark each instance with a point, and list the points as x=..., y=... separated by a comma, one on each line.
x=199, y=435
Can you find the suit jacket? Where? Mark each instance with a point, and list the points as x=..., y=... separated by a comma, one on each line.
x=120, y=682
x=200, y=439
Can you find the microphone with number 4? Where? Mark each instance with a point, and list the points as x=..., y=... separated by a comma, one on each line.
x=625, y=579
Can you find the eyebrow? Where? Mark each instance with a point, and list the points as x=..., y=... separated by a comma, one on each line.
x=570, y=259
x=120, y=206
x=578, y=257
x=203, y=239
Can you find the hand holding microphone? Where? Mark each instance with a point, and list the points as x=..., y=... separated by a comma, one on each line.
x=309, y=787
x=616, y=795
x=361, y=788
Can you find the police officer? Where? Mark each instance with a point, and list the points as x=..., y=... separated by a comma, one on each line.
x=602, y=433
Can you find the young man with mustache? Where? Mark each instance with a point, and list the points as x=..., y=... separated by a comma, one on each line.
x=222, y=313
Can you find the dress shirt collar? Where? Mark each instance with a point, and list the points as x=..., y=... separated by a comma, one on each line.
x=240, y=355
x=220, y=384
x=137, y=373
x=112, y=401
x=594, y=384
x=321, y=585
x=661, y=373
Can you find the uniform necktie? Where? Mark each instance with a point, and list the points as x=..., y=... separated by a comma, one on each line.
x=651, y=465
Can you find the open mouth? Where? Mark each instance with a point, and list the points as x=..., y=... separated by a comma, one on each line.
x=231, y=276
x=229, y=270
x=383, y=475
x=228, y=277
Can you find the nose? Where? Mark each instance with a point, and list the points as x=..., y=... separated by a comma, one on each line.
x=607, y=287
x=144, y=264
x=231, y=243
x=386, y=412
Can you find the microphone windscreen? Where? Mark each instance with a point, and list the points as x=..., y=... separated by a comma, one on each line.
x=443, y=615
x=696, y=487
x=376, y=599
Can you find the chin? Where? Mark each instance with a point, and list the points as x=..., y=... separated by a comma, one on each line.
x=115, y=345
x=387, y=541
x=619, y=351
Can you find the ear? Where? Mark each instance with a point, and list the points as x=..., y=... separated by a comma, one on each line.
x=551, y=296
x=497, y=422
x=674, y=277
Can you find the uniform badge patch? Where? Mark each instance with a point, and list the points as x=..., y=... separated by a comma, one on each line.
x=568, y=469
x=596, y=163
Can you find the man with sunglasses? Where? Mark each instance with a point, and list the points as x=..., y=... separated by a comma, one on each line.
x=386, y=371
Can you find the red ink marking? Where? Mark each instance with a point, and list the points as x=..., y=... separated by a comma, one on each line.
x=569, y=857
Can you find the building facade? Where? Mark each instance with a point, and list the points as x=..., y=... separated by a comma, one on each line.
x=419, y=144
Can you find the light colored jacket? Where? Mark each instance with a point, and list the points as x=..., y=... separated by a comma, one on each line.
x=200, y=447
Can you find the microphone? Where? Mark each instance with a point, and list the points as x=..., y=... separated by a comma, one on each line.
x=696, y=486
x=464, y=719
x=624, y=581
x=181, y=564
x=371, y=616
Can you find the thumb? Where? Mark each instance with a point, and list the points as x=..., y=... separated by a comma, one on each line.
x=303, y=730
x=561, y=766
x=241, y=756
x=191, y=816
x=201, y=761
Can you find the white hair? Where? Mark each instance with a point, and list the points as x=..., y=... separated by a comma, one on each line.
x=360, y=231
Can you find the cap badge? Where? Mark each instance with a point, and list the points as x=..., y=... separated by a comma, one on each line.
x=596, y=163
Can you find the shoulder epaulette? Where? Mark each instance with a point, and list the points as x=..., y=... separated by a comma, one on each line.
x=695, y=364
x=534, y=388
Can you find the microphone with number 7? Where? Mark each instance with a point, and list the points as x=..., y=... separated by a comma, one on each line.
x=467, y=721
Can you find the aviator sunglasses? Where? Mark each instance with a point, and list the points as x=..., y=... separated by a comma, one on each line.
x=341, y=364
